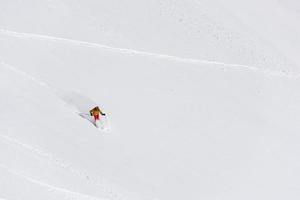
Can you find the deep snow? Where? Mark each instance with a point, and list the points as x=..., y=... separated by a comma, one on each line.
x=202, y=98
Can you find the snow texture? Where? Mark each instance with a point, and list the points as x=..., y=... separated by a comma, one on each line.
x=202, y=99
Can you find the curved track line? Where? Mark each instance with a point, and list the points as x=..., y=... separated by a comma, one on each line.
x=52, y=159
x=28, y=76
x=71, y=194
x=37, y=81
x=62, y=164
x=143, y=53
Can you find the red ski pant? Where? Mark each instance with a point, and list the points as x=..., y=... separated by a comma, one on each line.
x=97, y=117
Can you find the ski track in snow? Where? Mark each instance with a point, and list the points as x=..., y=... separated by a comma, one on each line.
x=68, y=194
x=52, y=159
x=28, y=76
x=280, y=73
x=37, y=81
x=62, y=164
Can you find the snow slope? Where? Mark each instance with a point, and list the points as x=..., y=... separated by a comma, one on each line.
x=202, y=98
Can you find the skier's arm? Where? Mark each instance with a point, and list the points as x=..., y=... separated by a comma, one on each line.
x=102, y=113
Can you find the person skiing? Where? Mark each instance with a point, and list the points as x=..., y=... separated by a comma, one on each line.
x=96, y=112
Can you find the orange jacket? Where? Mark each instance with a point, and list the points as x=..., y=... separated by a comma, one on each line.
x=96, y=111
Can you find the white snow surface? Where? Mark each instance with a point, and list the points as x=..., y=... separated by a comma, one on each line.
x=202, y=99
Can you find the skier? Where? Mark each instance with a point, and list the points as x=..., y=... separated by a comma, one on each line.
x=95, y=112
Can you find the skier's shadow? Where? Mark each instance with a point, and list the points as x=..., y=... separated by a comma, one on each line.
x=77, y=101
x=82, y=105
